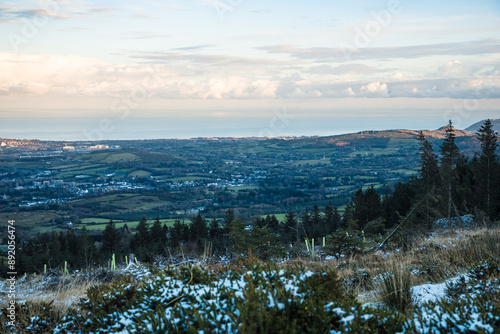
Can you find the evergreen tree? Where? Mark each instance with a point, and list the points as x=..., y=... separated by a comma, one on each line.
x=348, y=215
x=198, y=228
x=373, y=204
x=316, y=223
x=366, y=206
x=229, y=217
x=464, y=190
x=176, y=233
x=110, y=240
x=399, y=203
x=142, y=235
x=290, y=230
x=488, y=169
x=87, y=246
x=332, y=219
x=237, y=237
x=260, y=222
x=214, y=230
x=429, y=171
x=157, y=238
x=141, y=241
x=449, y=156
x=272, y=223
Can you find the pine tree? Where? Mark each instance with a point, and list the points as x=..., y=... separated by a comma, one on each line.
x=290, y=230
x=331, y=221
x=488, y=169
x=237, y=237
x=373, y=204
x=110, y=240
x=142, y=235
x=213, y=229
x=229, y=217
x=157, y=238
x=176, y=234
x=272, y=223
x=449, y=156
x=429, y=171
x=198, y=228
x=316, y=223
x=87, y=247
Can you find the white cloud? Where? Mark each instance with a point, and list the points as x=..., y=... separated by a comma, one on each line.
x=375, y=89
x=38, y=74
x=454, y=68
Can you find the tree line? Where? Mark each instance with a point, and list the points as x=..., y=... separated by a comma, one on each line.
x=449, y=184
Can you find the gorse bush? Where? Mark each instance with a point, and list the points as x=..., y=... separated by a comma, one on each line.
x=477, y=313
x=486, y=269
x=251, y=297
x=185, y=299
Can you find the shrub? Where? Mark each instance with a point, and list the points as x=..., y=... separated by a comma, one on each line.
x=343, y=243
x=478, y=313
x=457, y=288
x=486, y=269
x=360, y=279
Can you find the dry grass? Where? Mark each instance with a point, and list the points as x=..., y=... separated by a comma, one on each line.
x=443, y=255
x=66, y=294
x=62, y=294
x=395, y=287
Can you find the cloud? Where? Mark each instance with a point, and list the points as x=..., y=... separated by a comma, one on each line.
x=11, y=14
x=342, y=54
x=202, y=59
x=143, y=35
x=99, y=10
x=76, y=29
x=188, y=75
x=194, y=47
x=375, y=89
x=41, y=74
x=454, y=69
x=346, y=69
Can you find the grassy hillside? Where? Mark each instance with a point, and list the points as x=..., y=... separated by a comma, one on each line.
x=446, y=283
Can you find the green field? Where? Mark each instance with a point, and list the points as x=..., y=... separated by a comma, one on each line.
x=139, y=173
x=131, y=224
x=311, y=162
x=244, y=188
x=185, y=178
x=280, y=216
x=123, y=202
x=107, y=157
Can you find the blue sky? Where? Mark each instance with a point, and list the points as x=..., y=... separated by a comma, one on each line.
x=232, y=63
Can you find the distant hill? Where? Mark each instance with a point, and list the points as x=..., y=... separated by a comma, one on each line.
x=391, y=134
x=474, y=127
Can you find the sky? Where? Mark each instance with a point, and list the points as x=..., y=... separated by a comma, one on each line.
x=82, y=69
